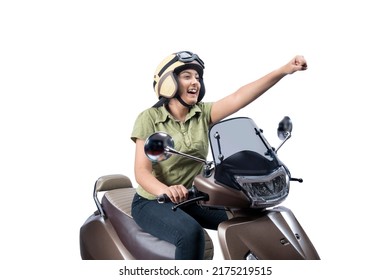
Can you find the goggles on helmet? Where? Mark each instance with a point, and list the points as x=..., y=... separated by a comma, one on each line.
x=186, y=56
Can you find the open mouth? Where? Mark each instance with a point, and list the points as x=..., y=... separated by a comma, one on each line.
x=192, y=91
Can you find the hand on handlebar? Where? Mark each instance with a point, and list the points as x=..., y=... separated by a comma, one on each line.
x=175, y=193
x=193, y=196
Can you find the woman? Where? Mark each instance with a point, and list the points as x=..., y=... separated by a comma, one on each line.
x=178, y=82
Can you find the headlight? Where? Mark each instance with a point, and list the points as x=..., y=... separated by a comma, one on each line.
x=265, y=191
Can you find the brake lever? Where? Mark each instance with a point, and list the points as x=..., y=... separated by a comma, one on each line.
x=204, y=197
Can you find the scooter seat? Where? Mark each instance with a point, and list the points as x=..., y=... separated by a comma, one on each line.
x=142, y=245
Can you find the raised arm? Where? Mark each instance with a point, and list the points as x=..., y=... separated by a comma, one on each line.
x=248, y=93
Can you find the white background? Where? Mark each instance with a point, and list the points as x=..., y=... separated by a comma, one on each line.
x=75, y=74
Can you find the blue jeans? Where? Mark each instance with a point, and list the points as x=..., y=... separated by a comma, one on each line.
x=183, y=227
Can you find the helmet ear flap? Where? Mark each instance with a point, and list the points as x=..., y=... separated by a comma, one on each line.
x=167, y=85
x=165, y=82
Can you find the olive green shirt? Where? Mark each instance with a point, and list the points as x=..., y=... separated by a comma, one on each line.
x=190, y=137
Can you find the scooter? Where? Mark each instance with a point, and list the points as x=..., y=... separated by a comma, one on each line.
x=245, y=177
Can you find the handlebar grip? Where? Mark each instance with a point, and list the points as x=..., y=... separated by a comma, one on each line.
x=162, y=198
x=300, y=180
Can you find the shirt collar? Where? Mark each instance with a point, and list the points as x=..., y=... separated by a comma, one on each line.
x=164, y=114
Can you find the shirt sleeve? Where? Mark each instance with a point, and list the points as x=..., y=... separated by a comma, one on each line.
x=206, y=109
x=143, y=126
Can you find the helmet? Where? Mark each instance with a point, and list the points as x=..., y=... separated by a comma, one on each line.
x=166, y=76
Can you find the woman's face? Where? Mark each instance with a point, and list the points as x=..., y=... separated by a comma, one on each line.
x=189, y=86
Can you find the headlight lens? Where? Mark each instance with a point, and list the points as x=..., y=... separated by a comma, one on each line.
x=265, y=191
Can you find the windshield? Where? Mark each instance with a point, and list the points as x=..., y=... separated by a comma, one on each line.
x=245, y=161
x=234, y=135
x=240, y=149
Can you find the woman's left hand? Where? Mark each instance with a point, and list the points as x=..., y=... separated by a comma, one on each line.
x=298, y=63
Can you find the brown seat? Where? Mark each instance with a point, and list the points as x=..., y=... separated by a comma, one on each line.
x=116, y=204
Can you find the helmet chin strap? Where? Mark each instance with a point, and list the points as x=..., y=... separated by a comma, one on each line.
x=182, y=101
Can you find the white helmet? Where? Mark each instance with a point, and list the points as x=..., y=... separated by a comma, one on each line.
x=166, y=76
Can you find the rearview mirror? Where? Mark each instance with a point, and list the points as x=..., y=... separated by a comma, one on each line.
x=285, y=128
x=284, y=131
x=158, y=145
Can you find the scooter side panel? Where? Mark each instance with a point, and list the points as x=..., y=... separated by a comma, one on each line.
x=273, y=235
x=99, y=241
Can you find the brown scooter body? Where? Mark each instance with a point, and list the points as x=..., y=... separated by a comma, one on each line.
x=258, y=227
x=112, y=234
x=268, y=234
x=272, y=235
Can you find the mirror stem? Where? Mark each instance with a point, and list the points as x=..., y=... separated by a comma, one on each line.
x=173, y=151
x=284, y=141
x=207, y=164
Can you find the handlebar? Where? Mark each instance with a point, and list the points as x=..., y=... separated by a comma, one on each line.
x=300, y=180
x=162, y=198
x=193, y=196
